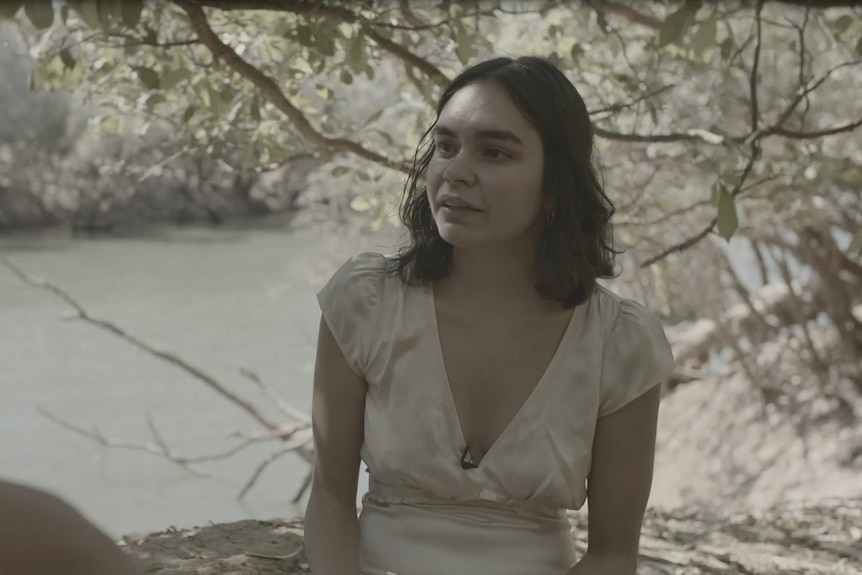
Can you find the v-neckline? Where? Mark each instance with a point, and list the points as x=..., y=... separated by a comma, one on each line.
x=453, y=408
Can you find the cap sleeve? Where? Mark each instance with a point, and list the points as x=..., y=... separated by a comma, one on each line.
x=636, y=357
x=350, y=303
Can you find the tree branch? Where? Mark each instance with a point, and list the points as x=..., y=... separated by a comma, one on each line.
x=753, y=141
x=794, y=135
x=334, y=12
x=325, y=145
x=278, y=452
x=758, y=22
x=620, y=106
x=693, y=135
x=159, y=449
x=408, y=57
x=276, y=399
x=683, y=245
x=665, y=216
x=296, y=437
x=197, y=373
x=626, y=12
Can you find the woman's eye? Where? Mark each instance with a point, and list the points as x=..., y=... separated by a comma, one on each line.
x=445, y=147
x=496, y=153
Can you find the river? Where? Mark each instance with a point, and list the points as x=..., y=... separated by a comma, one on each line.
x=221, y=299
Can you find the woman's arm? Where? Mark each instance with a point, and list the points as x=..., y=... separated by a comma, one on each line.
x=619, y=486
x=338, y=411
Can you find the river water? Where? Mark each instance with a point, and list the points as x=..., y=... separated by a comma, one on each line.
x=221, y=299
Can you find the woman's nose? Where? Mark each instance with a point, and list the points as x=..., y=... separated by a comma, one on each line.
x=459, y=171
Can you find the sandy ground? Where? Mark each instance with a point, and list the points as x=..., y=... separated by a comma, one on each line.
x=792, y=540
x=738, y=490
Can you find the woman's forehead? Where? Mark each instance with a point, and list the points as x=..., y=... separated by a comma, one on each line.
x=484, y=107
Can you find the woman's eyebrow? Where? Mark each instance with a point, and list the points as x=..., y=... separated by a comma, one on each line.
x=486, y=134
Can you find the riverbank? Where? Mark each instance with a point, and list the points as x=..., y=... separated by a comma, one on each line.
x=823, y=537
x=720, y=505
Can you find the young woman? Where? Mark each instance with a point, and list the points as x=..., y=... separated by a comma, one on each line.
x=485, y=379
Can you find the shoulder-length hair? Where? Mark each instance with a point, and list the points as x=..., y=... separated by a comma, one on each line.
x=576, y=247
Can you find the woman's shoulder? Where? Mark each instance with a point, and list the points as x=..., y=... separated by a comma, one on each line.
x=352, y=304
x=623, y=316
x=363, y=272
x=366, y=279
x=636, y=353
x=364, y=264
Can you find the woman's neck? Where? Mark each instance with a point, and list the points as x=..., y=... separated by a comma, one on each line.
x=491, y=278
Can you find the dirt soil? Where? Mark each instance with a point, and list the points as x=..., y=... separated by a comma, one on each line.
x=825, y=538
x=739, y=489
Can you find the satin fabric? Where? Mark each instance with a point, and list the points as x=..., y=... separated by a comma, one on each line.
x=426, y=515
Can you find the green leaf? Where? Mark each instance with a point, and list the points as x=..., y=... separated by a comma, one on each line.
x=859, y=47
x=255, y=108
x=710, y=166
x=325, y=92
x=9, y=8
x=362, y=203
x=386, y=136
x=856, y=245
x=151, y=37
x=67, y=58
x=89, y=12
x=131, y=12
x=154, y=100
x=840, y=26
x=304, y=35
x=227, y=95
x=673, y=27
x=346, y=76
x=112, y=124
x=577, y=52
x=339, y=171
x=324, y=43
x=356, y=52
x=148, y=77
x=728, y=220
x=40, y=13
x=602, y=21
x=110, y=12
x=555, y=59
x=653, y=110
x=173, y=77
x=363, y=175
x=464, y=43
x=374, y=117
x=704, y=38
x=726, y=49
x=187, y=115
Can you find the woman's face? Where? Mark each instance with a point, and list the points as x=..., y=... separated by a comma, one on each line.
x=485, y=177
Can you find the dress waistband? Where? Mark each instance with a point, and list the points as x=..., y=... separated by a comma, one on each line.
x=382, y=492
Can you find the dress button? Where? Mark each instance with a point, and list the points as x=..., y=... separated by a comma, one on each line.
x=488, y=494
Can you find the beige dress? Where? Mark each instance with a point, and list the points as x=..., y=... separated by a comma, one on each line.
x=424, y=514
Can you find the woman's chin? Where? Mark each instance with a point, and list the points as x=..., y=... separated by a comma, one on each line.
x=457, y=236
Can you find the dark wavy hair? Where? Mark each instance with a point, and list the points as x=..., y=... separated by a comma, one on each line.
x=576, y=246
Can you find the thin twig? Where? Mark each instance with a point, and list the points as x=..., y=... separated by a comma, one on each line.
x=282, y=449
x=273, y=395
x=97, y=436
x=290, y=555
x=170, y=357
